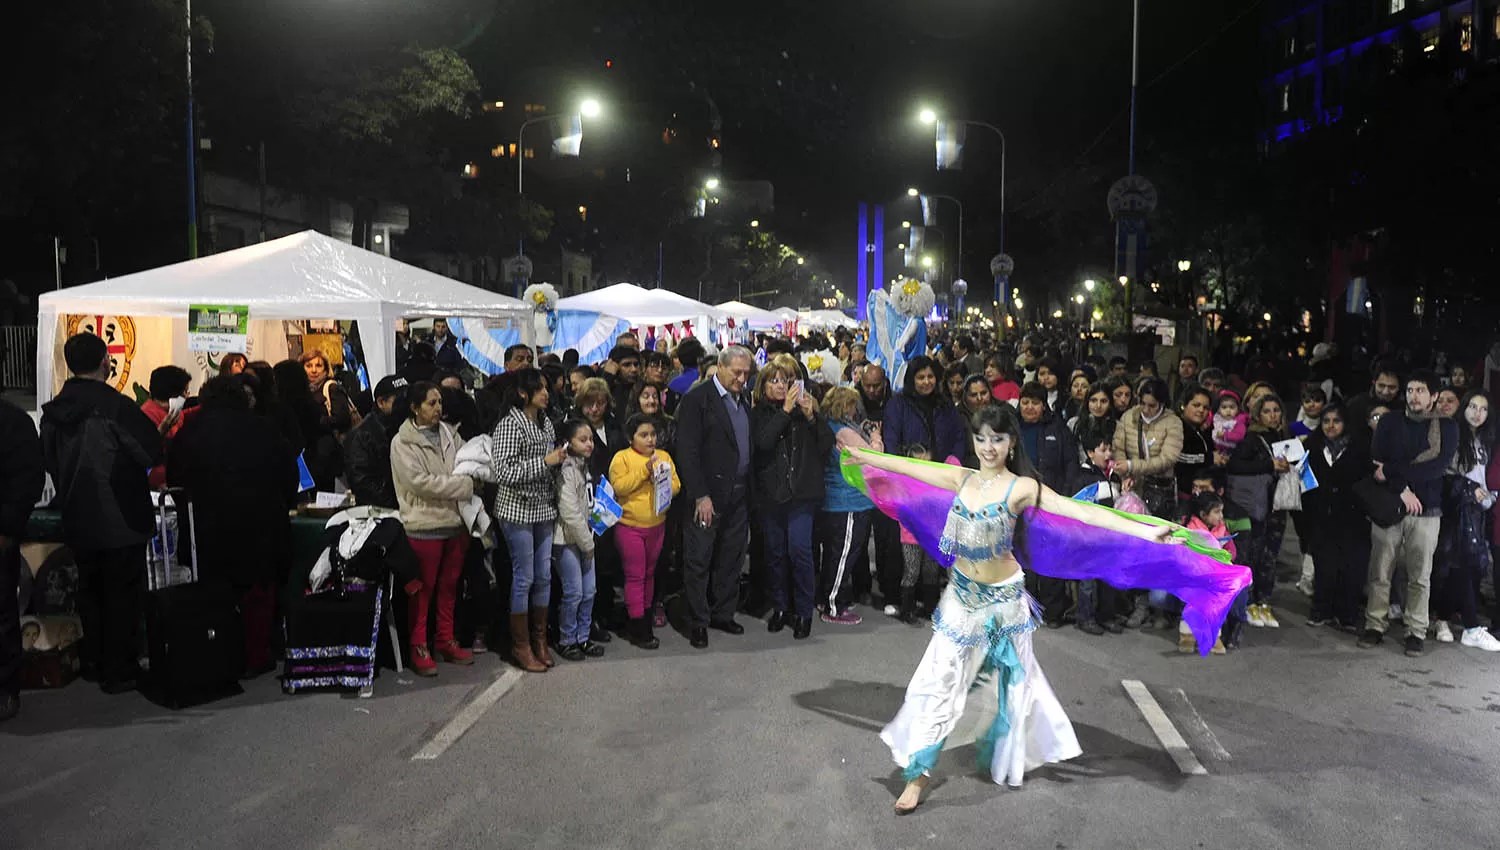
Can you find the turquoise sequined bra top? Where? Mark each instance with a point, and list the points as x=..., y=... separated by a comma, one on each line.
x=979, y=535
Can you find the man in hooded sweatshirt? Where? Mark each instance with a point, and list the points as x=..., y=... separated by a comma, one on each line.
x=98, y=446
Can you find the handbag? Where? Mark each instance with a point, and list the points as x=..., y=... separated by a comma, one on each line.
x=1288, y=495
x=1383, y=507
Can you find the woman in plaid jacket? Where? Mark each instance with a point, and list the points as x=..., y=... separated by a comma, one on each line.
x=525, y=463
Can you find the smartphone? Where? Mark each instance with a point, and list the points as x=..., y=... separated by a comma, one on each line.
x=799, y=385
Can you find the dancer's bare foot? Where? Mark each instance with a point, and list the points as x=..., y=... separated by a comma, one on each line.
x=911, y=797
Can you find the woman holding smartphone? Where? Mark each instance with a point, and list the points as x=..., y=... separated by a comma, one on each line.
x=790, y=442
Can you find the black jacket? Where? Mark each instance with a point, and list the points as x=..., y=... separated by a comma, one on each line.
x=21, y=474
x=788, y=453
x=1329, y=508
x=1197, y=455
x=1399, y=439
x=241, y=478
x=97, y=446
x=367, y=463
x=1056, y=452
x=707, y=454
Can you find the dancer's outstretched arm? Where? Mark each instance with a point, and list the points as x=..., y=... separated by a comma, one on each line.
x=1048, y=500
x=941, y=475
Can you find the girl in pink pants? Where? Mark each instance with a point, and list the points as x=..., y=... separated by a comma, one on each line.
x=645, y=480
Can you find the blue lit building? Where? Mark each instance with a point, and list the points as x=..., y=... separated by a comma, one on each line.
x=1320, y=52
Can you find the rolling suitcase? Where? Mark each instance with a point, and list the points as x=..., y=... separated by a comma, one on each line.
x=194, y=632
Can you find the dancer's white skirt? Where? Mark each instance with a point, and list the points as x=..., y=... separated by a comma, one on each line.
x=943, y=708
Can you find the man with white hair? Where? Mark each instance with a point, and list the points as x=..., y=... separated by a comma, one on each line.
x=713, y=458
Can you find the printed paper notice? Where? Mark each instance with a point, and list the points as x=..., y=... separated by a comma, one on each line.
x=218, y=327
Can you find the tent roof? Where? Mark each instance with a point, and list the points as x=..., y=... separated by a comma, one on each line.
x=756, y=316
x=828, y=319
x=304, y=276
x=641, y=306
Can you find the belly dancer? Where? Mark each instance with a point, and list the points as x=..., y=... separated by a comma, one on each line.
x=982, y=626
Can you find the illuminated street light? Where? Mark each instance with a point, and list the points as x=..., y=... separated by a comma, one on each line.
x=901, y=247
x=1090, y=284
x=801, y=261
x=755, y=222
x=1077, y=299
x=1266, y=316
x=1184, y=265
x=905, y=225
x=1124, y=280
x=590, y=108
x=912, y=192
x=927, y=262
x=927, y=116
x=1019, y=305
x=1057, y=314
x=711, y=184
x=1098, y=315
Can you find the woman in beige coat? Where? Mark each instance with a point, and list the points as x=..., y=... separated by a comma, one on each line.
x=429, y=494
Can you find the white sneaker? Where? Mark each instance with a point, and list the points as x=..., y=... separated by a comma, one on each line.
x=891, y=611
x=1480, y=638
x=1269, y=618
x=1444, y=633
x=1256, y=619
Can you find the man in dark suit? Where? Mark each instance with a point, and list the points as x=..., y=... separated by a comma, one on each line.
x=713, y=458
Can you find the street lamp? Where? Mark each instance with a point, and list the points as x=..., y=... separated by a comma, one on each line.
x=1077, y=299
x=927, y=261
x=960, y=223
x=1124, y=280
x=905, y=225
x=927, y=116
x=589, y=108
x=755, y=222
x=1184, y=266
x=801, y=261
x=912, y=192
x=1090, y=284
x=711, y=184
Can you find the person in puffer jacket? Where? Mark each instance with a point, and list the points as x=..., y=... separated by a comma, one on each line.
x=429, y=493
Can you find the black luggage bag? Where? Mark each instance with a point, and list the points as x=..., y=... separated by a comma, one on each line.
x=194, y=632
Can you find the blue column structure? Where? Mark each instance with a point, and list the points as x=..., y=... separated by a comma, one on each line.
x=878, y=279
x=863, y=284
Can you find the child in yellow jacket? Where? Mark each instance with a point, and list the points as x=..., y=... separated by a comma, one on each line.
x=638, y=475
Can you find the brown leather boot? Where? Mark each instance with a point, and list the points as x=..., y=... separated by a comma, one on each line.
x=539, y=637
x=520, y=645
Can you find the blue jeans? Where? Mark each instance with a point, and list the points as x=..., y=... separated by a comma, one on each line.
x=578, y=578
x=788, y=539
x=530, y=545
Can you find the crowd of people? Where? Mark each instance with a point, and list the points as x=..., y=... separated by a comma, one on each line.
x=713, y=455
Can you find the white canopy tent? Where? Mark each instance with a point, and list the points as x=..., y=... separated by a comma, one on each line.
x=642, y=307
x=827, y=319
x=304, y=276
x=757, y=318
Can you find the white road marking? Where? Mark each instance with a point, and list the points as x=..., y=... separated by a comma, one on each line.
x=1195, y=723
x=1171, y=740
x=468, y=716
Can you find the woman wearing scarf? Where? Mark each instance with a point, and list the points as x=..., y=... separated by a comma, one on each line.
x=922, y=414
x=1339, y=532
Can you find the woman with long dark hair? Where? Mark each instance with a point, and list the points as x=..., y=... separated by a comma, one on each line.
x=322, y=453
x=984, y=612
x=423, y=453
x=921, y=413
x=1463, y=555
x=1196, y=413
x=1252, y=481
x=524, y=457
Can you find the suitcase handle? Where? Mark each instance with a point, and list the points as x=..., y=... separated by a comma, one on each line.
x=175, y=497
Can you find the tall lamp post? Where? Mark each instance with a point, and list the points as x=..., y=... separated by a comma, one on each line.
x=914, y=192
x=589, y=108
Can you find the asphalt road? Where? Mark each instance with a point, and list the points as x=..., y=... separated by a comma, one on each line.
x=762, y=742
